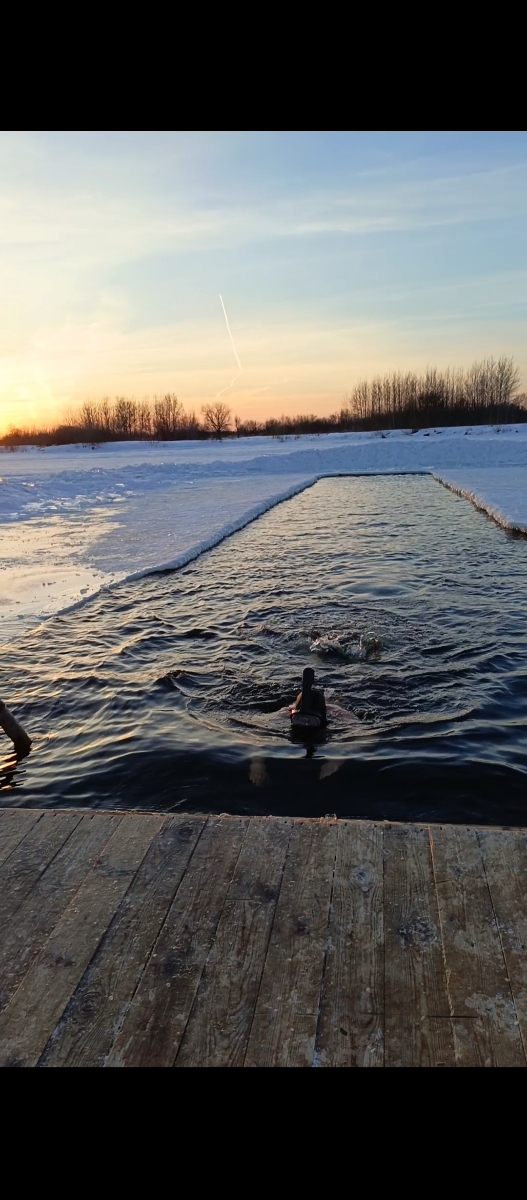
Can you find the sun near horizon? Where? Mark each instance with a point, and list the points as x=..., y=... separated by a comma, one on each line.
x=339, y=255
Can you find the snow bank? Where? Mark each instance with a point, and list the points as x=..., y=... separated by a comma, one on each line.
x=499, y=491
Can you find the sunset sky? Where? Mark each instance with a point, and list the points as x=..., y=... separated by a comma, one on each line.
x=338, y=255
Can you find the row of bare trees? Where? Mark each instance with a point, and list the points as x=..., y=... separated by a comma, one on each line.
x=486, y=393
x=162, y=419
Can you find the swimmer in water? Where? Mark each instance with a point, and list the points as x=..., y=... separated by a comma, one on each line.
x=310, y=705
x=310, y=709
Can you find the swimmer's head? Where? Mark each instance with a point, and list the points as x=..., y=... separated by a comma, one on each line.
x=308, y=677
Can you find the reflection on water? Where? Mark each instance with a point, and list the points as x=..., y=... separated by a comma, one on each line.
x=166, y=693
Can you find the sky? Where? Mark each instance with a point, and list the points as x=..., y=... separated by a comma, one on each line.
x=339, y=254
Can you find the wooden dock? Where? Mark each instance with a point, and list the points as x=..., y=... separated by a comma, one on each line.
x=159, y=941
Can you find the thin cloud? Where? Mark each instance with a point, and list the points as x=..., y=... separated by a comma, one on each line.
x=88, y=222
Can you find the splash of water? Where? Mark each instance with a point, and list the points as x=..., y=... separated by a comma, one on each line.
x=240, y=370
x=342, y=645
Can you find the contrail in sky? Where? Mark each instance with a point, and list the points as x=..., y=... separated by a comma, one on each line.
x=240, y=372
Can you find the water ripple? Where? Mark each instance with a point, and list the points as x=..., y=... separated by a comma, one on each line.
x=169, y=693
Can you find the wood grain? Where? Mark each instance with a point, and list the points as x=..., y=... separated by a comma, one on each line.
x=351, y=1025
x=286, y=1016
x=157, y=1017
x=36, y=1007
x=415, y=981
x=95, y=1014
x=220, y=1023
x=478, y=982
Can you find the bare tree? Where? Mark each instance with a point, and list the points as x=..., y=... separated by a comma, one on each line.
x=105, y=415
x=124, y=416
x=217, y=418
x=143, y=424
x=168, y=416
x=90, y=419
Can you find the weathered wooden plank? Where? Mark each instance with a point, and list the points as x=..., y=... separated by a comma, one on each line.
x=505, y=861
x=413, y=1042
x=259, y=870
x=30, y=1018
x=157, y=1017
x=477, y=979
x=92, y=1020
x=22, y=940
x=285, y=1021
x=91, y=940
x=415, y=982
x=16, y=823
x=477, y=1040
x=29, y=860
x=220, y=1022
x=351, y=1026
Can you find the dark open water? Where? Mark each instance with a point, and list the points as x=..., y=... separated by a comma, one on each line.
x=410, y=605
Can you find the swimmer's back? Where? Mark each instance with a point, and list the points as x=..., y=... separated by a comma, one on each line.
x=316, y=706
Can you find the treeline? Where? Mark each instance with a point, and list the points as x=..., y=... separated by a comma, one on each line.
x=120, y=420
x=485, y=394
x=123, y=420
x=290, y=426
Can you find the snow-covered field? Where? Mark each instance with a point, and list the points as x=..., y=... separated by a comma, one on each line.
x=75, y=519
